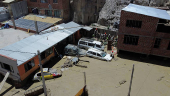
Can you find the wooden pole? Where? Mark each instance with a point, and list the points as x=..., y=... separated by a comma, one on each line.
x=43, y=80
x=85, y=78
x=131, y=80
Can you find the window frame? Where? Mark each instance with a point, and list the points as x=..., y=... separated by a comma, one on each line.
x=134, y=23
x=26, y=66
x=11, y=69
x=131, y=39
x=99, y=55
x=157, y=43
x=48, y=11
x=94, y=53
x=92, y=44
x=57, y=13
x=55, y=2
x=98, y=45
x=43, y=2
x=168, y=48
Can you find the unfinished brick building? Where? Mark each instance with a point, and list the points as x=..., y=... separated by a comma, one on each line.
x=54, y=8
x=144, y=30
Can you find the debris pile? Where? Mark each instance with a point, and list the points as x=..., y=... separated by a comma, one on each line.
x=111, y=11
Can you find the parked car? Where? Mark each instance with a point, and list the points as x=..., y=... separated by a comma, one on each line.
x=73, y=50
x=89, y=43
x=92, y=52
x=49, y=73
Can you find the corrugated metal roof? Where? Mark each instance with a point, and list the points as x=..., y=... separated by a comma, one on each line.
x=149, y=11
x=38, y=42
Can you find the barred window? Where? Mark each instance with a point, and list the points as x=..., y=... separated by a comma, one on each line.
x=130, y=39
x=134, y=23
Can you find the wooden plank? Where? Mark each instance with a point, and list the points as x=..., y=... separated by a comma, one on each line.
x=3, y=82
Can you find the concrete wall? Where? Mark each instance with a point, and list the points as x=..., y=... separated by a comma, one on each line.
x=13, y=75
x=147, y=34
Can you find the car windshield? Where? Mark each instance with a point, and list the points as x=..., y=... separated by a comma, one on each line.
x=103, y=54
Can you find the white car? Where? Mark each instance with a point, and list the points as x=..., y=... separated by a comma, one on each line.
x=92, y=52
x=89, y=43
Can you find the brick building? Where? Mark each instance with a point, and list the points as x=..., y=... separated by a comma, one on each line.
x=54, y=8
x=144, y=30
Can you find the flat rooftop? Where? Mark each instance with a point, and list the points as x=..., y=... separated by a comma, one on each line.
x=42, y=18
x=148, y=11
x=7, y=39
x=26, y=24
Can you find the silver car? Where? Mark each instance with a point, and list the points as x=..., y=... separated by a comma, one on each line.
x=89, y=43
x=92, y=52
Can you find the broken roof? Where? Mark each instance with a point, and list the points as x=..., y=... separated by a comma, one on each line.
x=30, y=45
x=149, y=11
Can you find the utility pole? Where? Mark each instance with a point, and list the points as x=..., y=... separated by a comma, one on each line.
x=85, y=78
x=43, y=80
x=131, y=80
x=36, y=27
x=11, y=14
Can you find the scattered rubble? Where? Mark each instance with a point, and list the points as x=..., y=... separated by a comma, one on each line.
x=122, y=82
x=160, y=78
x=110, y=13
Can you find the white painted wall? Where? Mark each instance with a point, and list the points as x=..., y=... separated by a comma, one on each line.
x=14, y=75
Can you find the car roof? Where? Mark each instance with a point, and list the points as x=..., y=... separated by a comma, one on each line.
x=97, y=42
x=90, y=40
x=95, y=50
x=70, y=46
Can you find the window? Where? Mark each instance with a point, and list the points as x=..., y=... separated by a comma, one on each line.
x=89, y=52
x=99, y=55
x=55, y=1
x=157, y=43
x=82, y=42
x=44, y=1
x=42, y=55
x=57, y=13
x=33, y=0
x=48, y=12
x=130, y=39
x=7, y=67
x=168, y=46
x=49, y=51
x=29, y=65
x=91, y=44
x=134, y=23
x=98, y=46
x=39, y=74
x=93, y=53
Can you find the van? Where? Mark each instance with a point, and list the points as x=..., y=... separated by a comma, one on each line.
x=92, y=52
x=89, y=43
